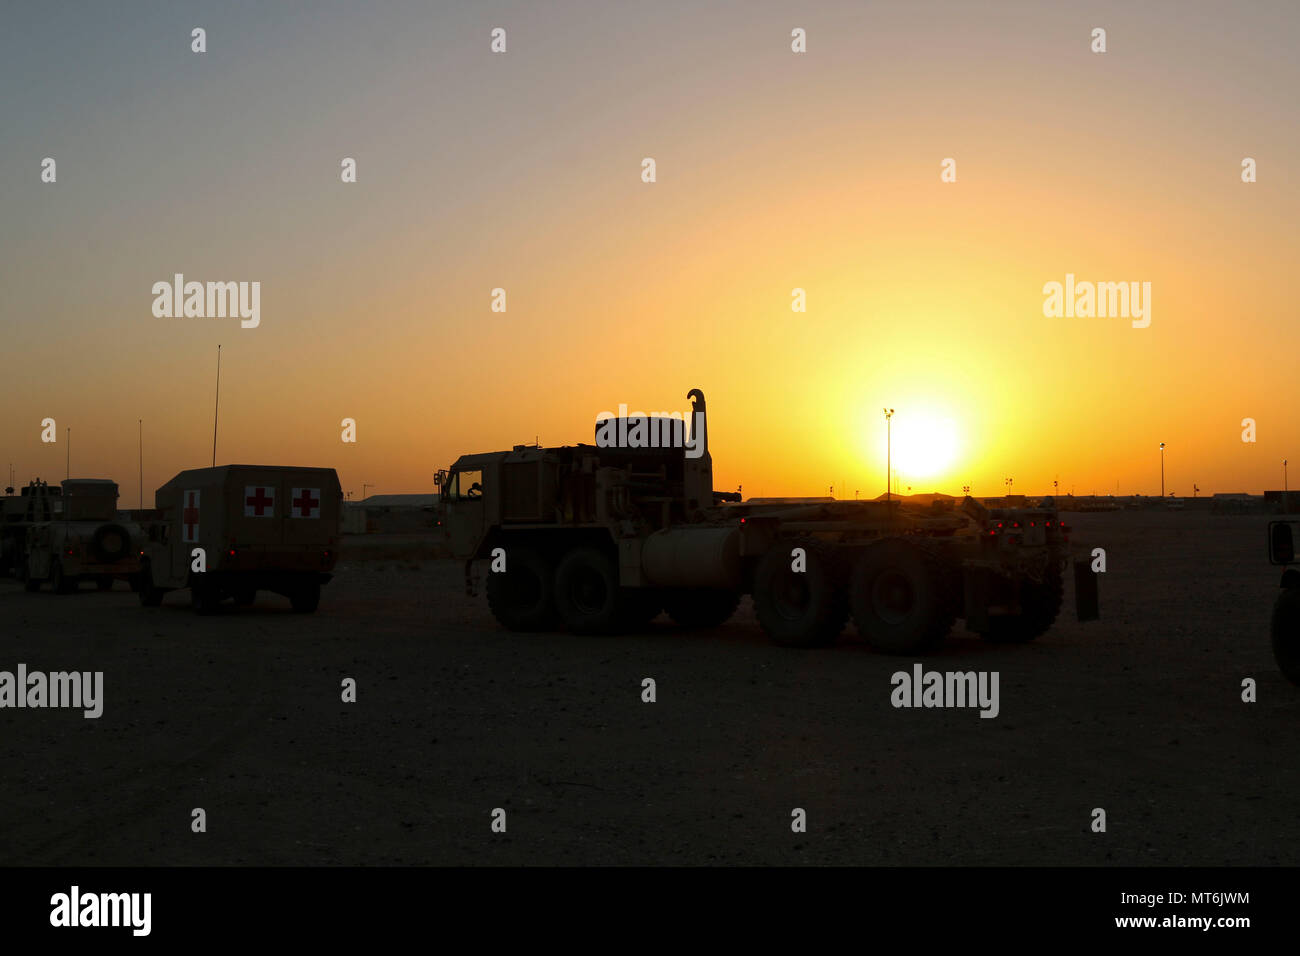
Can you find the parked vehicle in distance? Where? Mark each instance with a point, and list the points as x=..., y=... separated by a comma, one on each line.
x=36, y=503
x=86, y=541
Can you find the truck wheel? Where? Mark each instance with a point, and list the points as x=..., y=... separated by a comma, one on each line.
x=587, y=593
x=59, y=582
x=306, y=597
x=30, y=583
x=899, y=596
x=800, y=608
x=204, y=598
x=1040, y=602
x=701, y=608
x=522, y=597
x=1285, y=632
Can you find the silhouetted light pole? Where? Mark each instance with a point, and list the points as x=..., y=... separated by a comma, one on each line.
x=216, y=407
x=889, y=451
x=1286, y=497
x=1162, y=470
x=140, y=422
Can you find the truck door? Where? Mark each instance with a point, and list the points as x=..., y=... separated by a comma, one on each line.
x=462, y=498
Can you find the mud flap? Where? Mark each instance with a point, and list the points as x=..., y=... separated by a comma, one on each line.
x=1086, y=603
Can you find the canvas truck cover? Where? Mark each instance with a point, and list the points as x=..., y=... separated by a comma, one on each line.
x=273, y=517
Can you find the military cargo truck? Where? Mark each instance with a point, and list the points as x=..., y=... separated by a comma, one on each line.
x=600, y=539
x=85, y=541
x=1284, y=628
x=234, y=530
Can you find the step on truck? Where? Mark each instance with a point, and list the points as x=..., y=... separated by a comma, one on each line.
x=598, y=540
x=85, y=538
x=234, y=530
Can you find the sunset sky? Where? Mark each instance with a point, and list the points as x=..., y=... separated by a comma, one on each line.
x=775, y=170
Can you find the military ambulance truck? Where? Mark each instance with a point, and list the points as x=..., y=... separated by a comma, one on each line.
x=84, y=541
x=234, y=530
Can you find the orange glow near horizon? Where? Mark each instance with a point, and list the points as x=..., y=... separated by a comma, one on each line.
x=775, y=172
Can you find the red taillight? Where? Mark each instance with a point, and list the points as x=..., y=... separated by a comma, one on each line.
x=232, y=552
x=68, y=551
x=999, y=524
x=1015, y=524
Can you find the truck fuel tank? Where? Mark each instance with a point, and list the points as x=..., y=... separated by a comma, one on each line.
x=693, y=557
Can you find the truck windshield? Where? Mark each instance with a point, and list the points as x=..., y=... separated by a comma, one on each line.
x=463, y=484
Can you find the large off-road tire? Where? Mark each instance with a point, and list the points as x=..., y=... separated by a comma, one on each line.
x=305, y=597
x=1040, y=602
x=901, y=597
x=60, y=583
x=587, y=593
x=30, y=583
x=522, y=597
x=110, y=542
x=1284, y=631
x=800, y=608
x=700, y=608
x=205, y=598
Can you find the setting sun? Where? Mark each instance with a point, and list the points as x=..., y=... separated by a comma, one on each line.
x=925, y=444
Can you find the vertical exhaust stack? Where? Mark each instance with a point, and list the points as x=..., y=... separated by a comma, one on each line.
x=698, y=468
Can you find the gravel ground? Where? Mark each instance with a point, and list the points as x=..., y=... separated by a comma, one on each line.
x=240, y=714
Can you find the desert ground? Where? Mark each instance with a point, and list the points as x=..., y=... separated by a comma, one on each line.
x=240, y=714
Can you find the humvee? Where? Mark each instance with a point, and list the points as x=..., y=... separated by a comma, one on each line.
x=234, y=530
x=599, y=539
x=1284, y=628
x=85, y=541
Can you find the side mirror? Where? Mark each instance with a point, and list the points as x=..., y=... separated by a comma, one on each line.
x=1281, y=543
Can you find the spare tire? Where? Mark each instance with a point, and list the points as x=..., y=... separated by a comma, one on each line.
x=111, y=542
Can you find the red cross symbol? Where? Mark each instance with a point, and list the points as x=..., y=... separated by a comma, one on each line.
x=190, y=516
x=258, y=501
x=306, y=504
